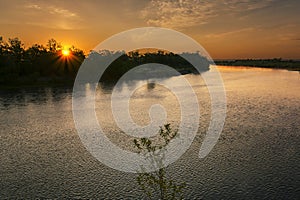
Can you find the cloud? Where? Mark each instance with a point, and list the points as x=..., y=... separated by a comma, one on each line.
x=245, y=5
x=52, y=10
x=33, y=6
x=51, y=16
x=177, y=14
x=224, y=34
x=287, y=36
x=62, y=12
x=187, y=13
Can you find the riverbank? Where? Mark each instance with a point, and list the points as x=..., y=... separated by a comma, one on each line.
x=68, y=82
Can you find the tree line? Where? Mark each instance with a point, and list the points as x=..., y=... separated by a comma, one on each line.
x=43, y=64
x=129, y=60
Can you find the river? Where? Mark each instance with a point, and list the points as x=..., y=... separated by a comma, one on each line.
x=256, y=157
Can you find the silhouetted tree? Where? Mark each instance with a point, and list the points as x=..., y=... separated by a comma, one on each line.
x=19, y=65
x=53, y=45
x=156, y=184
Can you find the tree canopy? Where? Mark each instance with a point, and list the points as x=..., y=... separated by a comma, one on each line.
x=20, y=65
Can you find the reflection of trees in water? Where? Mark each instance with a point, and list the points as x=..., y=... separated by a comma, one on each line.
x=150, y=85
x=34, y=96
x=156, y=185
x=108, y=86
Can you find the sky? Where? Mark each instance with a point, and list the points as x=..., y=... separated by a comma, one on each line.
x=227, y=29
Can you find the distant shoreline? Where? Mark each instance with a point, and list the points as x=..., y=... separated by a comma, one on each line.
x=276, y=63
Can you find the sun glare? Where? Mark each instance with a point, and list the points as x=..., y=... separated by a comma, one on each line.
x=65, y=52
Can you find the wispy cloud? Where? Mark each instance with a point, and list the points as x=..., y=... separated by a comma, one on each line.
x=187, y=13
x=287, y=36
x=244, y=5
x=54, y=16
x=33, y=6
x=224, y=34
x=52, y=10
x=62, y=12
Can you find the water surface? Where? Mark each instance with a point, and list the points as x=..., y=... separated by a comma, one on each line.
x=257, y=155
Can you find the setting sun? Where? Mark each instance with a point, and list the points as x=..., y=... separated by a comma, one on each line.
x=65, y=52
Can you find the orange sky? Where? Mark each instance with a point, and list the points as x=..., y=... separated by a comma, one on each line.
x=226, y=29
